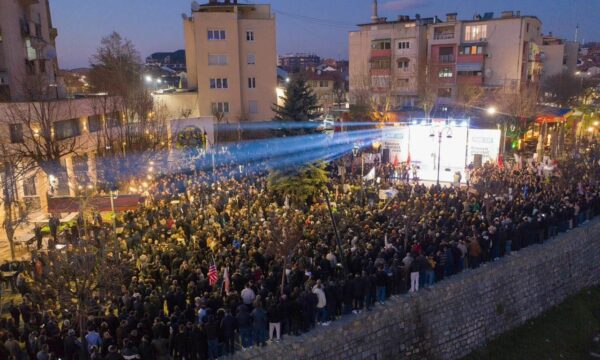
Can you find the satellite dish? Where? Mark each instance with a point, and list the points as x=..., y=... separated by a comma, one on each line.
x=195, y=6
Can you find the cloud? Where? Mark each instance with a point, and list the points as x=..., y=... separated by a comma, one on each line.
x=404, y=4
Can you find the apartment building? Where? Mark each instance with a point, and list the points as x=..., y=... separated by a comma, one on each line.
x=329, y=88
x=559, y=56
x=27, y=48
x=231, y=59
x=388, y=57
x=300, y=62
x=496, y=53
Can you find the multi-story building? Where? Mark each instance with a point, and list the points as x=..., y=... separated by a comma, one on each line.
x=388, y=58
x=231, y=59
x=329, y=87
x=492, y=52
x=559, y=56
x=300, y=62
x=27, y=48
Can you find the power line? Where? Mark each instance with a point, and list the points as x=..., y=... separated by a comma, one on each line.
x=316, y=21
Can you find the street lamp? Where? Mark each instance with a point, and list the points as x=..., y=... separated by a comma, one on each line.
x=440, y=132
x=148, y=78
x=491, y=110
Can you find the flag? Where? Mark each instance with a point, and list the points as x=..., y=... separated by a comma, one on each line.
x=213, y=275
x=396, y=161
x=408, y=158
x=370, y=175
x=500, y=161
x=226, y=283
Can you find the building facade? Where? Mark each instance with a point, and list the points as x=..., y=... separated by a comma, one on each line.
x=295, y=63
x=388, y=58
x=406, y=58
x=559, y=56
x=231, y=59
x=496, y=53
x=27, y=48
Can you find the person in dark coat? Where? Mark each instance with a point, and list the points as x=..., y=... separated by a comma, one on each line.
x=228, y=327
x=244, y=322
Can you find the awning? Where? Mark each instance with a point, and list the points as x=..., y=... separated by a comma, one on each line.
x=549, y=114
x=469, y=67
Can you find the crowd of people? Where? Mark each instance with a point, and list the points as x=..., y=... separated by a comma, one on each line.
x=203, y=278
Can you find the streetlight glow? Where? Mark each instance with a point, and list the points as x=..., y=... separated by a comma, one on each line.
x=491, y=110
x=148, y=78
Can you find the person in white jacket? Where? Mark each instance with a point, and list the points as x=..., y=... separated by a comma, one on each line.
x=321, y=304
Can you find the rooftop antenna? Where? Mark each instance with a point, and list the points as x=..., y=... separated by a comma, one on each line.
x=374, y=16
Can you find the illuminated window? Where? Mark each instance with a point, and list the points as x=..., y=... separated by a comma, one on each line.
x=475, y=32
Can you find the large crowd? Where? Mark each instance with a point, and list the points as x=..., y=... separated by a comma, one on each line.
x=202, y=280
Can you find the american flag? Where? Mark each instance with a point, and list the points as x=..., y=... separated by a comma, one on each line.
x=213, y=275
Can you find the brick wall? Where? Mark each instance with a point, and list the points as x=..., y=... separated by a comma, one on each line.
x=459, y=314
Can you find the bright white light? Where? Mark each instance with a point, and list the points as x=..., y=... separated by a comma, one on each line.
x=287, y=80
x=415, y=122
x=464, y=123
x=491, y=110
x=452, y=123
x=158, y=81
x=423, y=123
x=148, y=78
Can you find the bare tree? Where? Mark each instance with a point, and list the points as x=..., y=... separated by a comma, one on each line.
x=563, y=89
x=78, y=274
x=517, y=108
x=427, y=94
x=469, y=96
x=285, y=234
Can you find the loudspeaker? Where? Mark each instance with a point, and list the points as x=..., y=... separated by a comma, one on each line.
x=478, y=160
x=385, y=158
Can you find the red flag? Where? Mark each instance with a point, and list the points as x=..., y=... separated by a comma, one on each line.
x=408, y=158
x=213, y=275
x=500, y=161
x=396, y=160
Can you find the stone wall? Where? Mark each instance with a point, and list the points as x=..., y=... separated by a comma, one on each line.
x=460, y=314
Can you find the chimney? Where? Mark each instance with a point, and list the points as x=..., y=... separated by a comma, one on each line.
x=374, y=16
x=451, y=17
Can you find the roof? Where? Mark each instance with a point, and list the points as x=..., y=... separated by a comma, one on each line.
x=325, y=75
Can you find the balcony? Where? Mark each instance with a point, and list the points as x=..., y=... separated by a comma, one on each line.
x=446, y=59
x=443, y=36
x=476, y=58
x=380, y=72
x=381, y=52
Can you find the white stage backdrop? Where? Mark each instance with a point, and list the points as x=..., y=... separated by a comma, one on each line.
x=456, y=151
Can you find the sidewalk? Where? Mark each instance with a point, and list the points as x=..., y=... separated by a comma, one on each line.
x=23, y=232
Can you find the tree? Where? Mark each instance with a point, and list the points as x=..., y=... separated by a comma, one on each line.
x=469, y=96
x=12, y=171
x=299, y=103
x=517, y=108
x=77, y=274
x=285, y=234
x=427, y=94
x=339, y=90
x=301, y=186
x=563, y=89
x=43, y=145
x=134, y=131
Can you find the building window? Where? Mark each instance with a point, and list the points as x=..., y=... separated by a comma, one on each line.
x=253, y=107
x=94, y=123
x=381, y=63
x=475, y=32
x=404, y=45
x=527, y=27
x=403, y=82
x=446, y=54
x=216, y=34
x=66, y=129
x=220, y=107
x=251, y=59
x=113, y=119
x=219, y=83
x=251, y=83
x=469, y=73
x=443, y=33
x=217, y=59
x=403, y=64
x=29, y=186
x=471, y=50
x=444, y=92
x=445, y=73
x=323, y=83
x=380, y=81
x=16, y=133
x=249, y=35
x=381, y=44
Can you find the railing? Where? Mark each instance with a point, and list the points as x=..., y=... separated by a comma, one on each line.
x=446, y=59
x=443, y=36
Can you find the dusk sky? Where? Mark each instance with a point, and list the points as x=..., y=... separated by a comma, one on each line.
x=319, y=26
